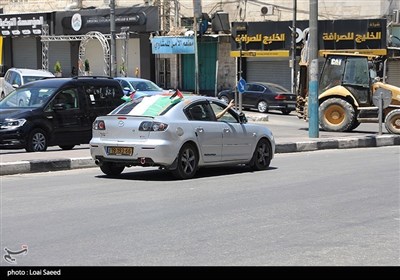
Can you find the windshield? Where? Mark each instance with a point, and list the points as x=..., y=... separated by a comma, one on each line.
x=145, y=86
x=151, y=106
x=28, y=79
x=27, y=97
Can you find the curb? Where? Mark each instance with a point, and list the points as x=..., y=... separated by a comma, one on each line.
x=32, y=166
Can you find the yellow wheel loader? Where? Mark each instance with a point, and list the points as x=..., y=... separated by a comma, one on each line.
x=347, y=84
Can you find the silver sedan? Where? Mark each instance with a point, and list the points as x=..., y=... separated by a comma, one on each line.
x=178, y=133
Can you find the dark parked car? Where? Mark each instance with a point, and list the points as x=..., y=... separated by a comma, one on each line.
x=264, y=97
x=56, y=112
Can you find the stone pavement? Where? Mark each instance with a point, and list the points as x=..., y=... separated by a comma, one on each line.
x=291, y=135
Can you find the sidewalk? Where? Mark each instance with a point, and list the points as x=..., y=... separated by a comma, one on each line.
x=291, y=135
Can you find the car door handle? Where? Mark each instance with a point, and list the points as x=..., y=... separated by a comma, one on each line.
x=227, y=130
x=200, y=130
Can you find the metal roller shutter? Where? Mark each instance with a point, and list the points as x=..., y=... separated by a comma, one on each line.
x=394, y=72
x=25, y=53
x=60, y=51
x=269, y=70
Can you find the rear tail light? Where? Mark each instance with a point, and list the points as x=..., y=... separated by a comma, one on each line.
x=152, y=126
x=280, y=97
x=99, y=125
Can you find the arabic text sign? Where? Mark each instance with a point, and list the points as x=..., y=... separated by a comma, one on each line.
x=172, y=45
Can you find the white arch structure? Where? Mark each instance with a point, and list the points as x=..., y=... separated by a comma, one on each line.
x=105, y=46
x=84, y=39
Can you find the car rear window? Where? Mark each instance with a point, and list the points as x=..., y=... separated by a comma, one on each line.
x=152, y=106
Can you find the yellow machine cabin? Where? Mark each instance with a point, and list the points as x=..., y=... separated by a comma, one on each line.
x=347, y=84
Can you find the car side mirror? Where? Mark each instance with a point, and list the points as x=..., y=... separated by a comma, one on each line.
x=15, y=85
x=242, y=118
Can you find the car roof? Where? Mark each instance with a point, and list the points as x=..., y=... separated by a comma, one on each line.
x=59, y=82
x=269, y=84
x=131, y=79
x=32, y=72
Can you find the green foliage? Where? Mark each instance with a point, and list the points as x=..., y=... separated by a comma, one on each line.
x=57, y=67
x=87, y=66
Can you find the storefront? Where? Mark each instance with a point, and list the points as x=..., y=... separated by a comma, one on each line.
x=138, y=23
x=265, y=46
x=21, y=38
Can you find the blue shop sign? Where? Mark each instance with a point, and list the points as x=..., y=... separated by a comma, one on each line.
x=172, y=45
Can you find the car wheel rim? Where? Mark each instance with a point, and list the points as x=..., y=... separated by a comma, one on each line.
x=225, y=99
x=263, y=154
x=262, y=106
x=188, y=160
x=38, y=142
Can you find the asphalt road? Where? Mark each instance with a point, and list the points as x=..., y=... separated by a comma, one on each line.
x=331, y=207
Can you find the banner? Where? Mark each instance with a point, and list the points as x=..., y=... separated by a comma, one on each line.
x=172, y=45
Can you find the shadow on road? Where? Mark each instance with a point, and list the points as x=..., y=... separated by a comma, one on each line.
x=164, y=175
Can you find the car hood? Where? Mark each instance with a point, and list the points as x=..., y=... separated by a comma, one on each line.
x=13, y=113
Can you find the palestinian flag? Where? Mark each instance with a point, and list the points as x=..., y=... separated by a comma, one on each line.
x=154, y=105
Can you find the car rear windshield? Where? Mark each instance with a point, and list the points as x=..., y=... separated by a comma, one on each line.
x=27, y=97
x=152, y=106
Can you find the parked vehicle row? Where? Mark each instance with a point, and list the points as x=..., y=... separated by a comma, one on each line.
x=57, y=111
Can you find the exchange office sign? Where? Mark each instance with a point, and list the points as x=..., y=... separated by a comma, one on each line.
x=22, y=24
x=84, y=21
x=172, y=45
x=275, y=38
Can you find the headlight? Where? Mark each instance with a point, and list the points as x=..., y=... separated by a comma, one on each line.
x=12, y=123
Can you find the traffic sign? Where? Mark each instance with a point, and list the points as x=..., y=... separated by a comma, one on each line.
x=241, y=86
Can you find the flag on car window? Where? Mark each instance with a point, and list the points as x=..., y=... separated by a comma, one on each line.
x=153, y=105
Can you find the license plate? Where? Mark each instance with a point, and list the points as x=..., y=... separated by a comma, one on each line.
x=120, y=151
x=291, y=106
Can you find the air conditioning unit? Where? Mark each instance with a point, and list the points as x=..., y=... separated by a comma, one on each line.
x=396, y=16
x=267, y=10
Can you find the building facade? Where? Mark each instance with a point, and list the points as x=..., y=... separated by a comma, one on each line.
x=219, y=64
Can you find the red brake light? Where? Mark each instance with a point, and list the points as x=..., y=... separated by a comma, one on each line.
x=99, y=125
x=280, y=97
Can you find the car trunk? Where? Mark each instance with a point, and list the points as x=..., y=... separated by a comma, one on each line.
x=125, y=128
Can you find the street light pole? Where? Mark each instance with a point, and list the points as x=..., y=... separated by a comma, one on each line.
x=113, y=54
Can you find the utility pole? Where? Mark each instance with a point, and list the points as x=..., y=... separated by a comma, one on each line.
x=113, y=53
x=294, y=77
x=313, y=125
x=197, y=11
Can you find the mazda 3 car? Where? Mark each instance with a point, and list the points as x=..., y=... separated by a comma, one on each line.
x=180, y=134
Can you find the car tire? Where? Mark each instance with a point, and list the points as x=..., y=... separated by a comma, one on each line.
x=262, y=155
x=337, y=115
x=286, y=111
x=392, y=121
x=225, y=99
x=188, y=160
x=262, y=106
x=111, y=169
x=67, y=147
x=37, y=141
